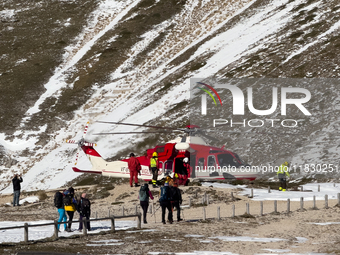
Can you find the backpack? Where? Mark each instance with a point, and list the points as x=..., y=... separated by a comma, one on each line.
x=71, y=190
x=58, y=199
x=164, y=194
x=67, y=200
x=143, y=194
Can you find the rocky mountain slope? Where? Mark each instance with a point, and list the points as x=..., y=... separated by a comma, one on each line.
x=63, y=63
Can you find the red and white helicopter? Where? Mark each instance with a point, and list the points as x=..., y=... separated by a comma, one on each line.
x=207, y=162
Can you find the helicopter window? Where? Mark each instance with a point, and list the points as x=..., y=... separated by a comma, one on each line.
x=160, y=149
x=239, y=159
x=227, y=159
x=201, y=163
x=211, y=161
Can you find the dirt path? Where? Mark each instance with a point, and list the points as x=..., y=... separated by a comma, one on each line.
x=295, y=232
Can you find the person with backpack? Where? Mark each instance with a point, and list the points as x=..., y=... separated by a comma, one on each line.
x=134, y=168
x=70, y=206
x=165, y=202
x=58, y=202
x=144, y=195
x=176, y=199
x=84, y=209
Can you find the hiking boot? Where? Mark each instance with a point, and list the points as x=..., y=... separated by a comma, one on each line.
x=145, y=222
x=163, y=222
x=179, y=220
x=137, y=185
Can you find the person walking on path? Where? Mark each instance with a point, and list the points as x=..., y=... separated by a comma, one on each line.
x=165, y=202
x=282, y=174
x=84, y=209
x=176, y=199
x=58, y=202
x=134, y=168
x=144, y=195
x=70, y=207
x=16, y=189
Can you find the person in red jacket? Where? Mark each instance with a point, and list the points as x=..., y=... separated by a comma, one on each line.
x=186, y=172
x=134, y=168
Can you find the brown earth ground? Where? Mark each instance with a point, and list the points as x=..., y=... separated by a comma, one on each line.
x=178, y=237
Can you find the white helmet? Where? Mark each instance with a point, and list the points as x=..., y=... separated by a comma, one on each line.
x=185, y=160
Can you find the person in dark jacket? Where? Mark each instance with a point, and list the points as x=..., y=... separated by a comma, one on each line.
x=165, y=202
x=176, y=196
x=134, y=168
x=70, y=204
x=84, y=209
x=16, y=189
x=144, y=195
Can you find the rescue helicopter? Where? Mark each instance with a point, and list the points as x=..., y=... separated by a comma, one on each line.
x=206, y=162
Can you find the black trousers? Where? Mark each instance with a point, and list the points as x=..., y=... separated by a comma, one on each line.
x=154, y=174
x=283, y=183
x=81, y=217
x=144, y=205
x=175, y=204
x=166, y=205
x=70, y=218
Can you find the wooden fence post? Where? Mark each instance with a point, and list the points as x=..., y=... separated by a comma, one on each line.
x=84, y=223
x=275, y=206
x=288, y=205
x=218, y=213
x=139, y=221
x=26, y=232
x=55, y=229
x=247, y=208
x=204, y=216
x=268, y=189
x=261, y=208
x=113, y=229
x=326, y=201
x=314, y=202
x=251, y=193
x=318, y=188
x=301, y=203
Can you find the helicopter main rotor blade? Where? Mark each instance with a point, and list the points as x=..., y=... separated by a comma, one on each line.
x=140, y=132
x=138, y=125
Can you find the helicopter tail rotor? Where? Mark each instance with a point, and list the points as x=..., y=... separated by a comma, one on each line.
x=81, y=142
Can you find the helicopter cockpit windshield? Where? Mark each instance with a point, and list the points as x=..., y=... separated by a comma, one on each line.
x=226, y=159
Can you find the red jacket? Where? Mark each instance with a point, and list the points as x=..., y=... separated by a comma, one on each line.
x=188, y=168
x=134, y=164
